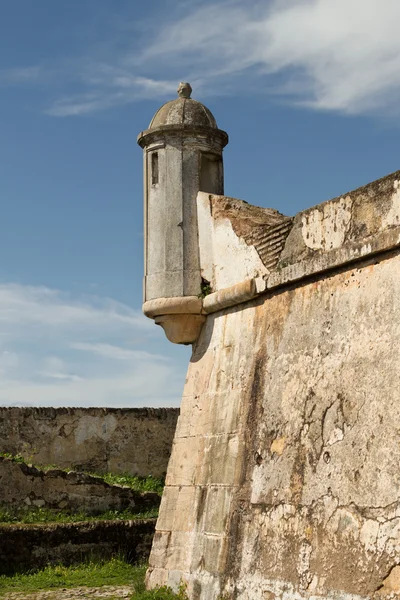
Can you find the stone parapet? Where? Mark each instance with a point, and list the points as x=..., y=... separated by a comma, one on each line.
x=240, y=242
x=136, y=441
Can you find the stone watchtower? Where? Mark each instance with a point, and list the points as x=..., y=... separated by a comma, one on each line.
x=283, y=480
x=182, y=156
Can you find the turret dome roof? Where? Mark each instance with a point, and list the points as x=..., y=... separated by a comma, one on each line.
x=183, y=111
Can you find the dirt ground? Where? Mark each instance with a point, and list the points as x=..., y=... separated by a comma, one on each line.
x=106, y=593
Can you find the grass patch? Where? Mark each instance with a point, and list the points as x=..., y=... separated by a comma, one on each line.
x=91, y=574
x=114, y=572
x=161, y=593
x=33, y=515
x=139, y=484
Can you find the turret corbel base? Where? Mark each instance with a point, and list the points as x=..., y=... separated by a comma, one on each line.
x=180, y=317
x=181, y=329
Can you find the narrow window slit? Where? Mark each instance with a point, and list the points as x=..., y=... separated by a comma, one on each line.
x=154, y=168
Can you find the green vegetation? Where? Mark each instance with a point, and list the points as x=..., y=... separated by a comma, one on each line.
x=205, y=288
x=162, y=593
x=14, y=457
x=32, y=515
x=91, y=574
x=139, y=484
x=94, y=573
x=114, y=572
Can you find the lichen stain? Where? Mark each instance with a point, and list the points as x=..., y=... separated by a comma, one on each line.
x=201, y=504
x=278, y=446
x=297, y=476
x=275, y=314
x=240, y=503
x=392, y=218
x=391, y=583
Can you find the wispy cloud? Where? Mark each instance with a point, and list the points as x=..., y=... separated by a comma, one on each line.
x=144, y=387
x=56, y=368
x=56, y=349
x=341, y=56
x=40, y=305
x=117, y=353
x=110, y=87
x=20, y=75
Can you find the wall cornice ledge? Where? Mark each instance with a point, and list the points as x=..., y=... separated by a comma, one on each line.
x=350, y=253
x=249, y=289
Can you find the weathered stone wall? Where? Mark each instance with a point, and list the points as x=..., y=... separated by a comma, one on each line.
x=284, y=474
x=130, y=440
x=32, y=547
x=293, y=432
x=22, y=485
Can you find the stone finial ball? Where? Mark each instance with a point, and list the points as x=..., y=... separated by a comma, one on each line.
x=184, y=89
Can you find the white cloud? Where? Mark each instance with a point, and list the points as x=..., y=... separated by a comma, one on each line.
x=9, y=362
x=20, y=75
x=56, y=350
x=110, y=86
x=149, y=386
x=117, y=353
x=29, y=305
x=62, y=376
x=341, y=55
x=56, y=368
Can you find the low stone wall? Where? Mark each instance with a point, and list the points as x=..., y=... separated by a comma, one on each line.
x=122, y=440
x=25, y=547
x=24, y=485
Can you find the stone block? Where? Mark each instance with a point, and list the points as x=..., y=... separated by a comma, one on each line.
x=210, y=554
x=185, y=462
x=178, y=509
x=172, y=550
x=217, y=508
x=222, y=462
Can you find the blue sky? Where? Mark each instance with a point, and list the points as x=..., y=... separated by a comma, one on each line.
x=308, y=91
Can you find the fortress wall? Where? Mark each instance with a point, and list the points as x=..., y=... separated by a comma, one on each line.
x=120, y=440
x=284, y=474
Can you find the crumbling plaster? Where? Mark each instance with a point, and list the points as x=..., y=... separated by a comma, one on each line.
x=239, y=241
x=283, y=479
x=218, y=238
